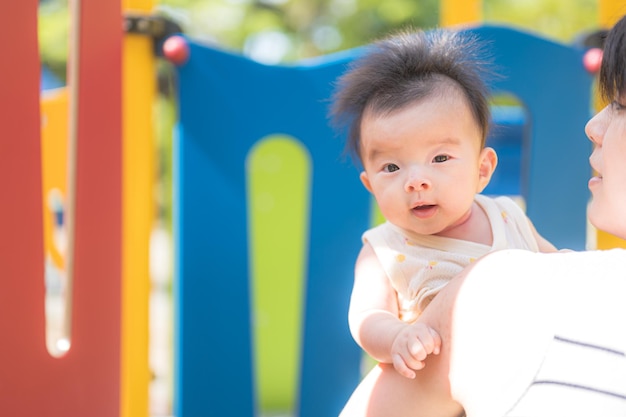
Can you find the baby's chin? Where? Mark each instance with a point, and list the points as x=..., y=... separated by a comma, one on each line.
x=427, y=231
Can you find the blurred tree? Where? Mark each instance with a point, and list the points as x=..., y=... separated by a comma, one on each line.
x=53, y=35
x=275, y=31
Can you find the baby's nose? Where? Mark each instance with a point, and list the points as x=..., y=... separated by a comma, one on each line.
x=417, y=181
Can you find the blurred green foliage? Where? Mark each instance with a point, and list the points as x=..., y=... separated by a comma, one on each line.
x=276, y=31
x=54, y=29
x=300, y=28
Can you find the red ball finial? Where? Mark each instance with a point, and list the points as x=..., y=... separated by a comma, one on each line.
x=592, y=60
x=176, y=50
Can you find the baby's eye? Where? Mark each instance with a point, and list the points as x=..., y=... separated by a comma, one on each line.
x=441, y=158
x=390, y=168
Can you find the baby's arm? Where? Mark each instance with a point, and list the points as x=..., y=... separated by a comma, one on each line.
x=374, y=321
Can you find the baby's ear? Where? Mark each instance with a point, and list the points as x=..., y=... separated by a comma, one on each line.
x=365, y=181
x=488, y=161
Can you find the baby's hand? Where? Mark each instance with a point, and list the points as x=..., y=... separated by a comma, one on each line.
x=411, y=347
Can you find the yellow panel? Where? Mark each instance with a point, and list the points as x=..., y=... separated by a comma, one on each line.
x=138, y=5
x=54, y=113
x=608, y=241
x=456, y=12
x=54, y=144
x=138, y=212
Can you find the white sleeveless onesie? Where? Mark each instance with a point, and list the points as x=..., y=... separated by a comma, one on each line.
x=419, y=266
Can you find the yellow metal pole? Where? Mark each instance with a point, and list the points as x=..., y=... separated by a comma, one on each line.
x=609, y=13
x=457, y=12
x=138, y=163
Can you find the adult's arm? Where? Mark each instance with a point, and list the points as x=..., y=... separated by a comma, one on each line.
x=501, y=323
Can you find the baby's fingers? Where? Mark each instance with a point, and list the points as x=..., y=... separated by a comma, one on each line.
x=436, y=342
x=415, y=355
x=402, y=368
x=417, y=350
x=427, y=341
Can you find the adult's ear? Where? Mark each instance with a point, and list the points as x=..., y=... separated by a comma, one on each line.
x=488, y=160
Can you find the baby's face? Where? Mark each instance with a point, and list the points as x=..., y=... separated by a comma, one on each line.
x=423, y=163
x=607, y=131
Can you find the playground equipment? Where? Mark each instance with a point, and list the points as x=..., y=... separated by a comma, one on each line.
x=303, y=361
x=86, y=381
x=216, y=234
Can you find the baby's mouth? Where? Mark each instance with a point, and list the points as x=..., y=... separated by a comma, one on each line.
x=425, y=210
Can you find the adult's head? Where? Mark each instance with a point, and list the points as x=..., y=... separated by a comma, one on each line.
x=607, y=130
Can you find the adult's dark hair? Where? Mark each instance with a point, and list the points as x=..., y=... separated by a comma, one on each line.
x=612, y=82
x=407, y=67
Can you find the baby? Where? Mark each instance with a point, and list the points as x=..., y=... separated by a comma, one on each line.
x=417, y=112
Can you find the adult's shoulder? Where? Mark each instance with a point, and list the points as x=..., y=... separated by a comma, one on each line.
x=504, y=314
